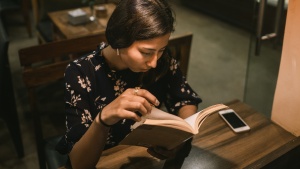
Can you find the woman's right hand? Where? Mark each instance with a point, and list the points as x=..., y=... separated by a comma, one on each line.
x=125, y=106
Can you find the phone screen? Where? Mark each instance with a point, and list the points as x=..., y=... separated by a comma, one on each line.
x=233, y=120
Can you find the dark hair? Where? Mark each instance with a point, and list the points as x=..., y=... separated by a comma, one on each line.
x=134, y=20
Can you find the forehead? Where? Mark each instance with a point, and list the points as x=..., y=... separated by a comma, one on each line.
x=154, y=43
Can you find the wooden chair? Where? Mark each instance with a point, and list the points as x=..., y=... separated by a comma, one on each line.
x=180, y=47
x=43, y=65
x=46, y=63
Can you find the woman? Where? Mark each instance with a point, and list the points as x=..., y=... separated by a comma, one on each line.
x=111, y=88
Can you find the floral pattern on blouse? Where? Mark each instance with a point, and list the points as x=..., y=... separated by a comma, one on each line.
x=91, y=85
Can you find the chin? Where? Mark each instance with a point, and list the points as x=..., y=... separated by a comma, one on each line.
x=145, y=70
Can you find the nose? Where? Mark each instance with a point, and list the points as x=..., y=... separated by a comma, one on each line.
x=152, y=62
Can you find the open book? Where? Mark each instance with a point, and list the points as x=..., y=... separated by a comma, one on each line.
x=163, y=129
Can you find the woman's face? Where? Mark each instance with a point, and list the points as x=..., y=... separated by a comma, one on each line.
x=142, y=55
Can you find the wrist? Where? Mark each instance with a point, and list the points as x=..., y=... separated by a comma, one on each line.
x=101, y=121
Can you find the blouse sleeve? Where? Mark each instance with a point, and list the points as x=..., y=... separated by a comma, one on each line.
x=79, y=108
x=179, y=91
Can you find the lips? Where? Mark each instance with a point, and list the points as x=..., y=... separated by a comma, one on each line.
x=145, y=70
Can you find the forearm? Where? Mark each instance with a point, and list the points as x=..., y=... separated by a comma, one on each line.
x=87, y=151
x=186, y=111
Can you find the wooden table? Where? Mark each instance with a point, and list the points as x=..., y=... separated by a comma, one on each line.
x=216, y=146
x=64, y=30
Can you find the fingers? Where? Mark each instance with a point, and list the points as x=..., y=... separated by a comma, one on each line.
x=140, y=105
x=131, y=104
x=131, y=107
x=136, y=90
x=155, y=154
x=138, y=102
x=161, y=153
x=145, y=94
x=165, y=152
x=131, y=115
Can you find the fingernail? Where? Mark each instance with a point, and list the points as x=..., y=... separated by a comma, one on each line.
x=156, y=102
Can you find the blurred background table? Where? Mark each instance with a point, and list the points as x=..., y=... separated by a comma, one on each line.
x=266, y=145
x=64, y=30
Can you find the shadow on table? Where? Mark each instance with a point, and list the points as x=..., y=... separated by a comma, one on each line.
x=135, y=162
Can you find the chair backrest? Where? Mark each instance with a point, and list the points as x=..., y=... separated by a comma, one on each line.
x=45, y=64
x=180, y=47
x=52, y=58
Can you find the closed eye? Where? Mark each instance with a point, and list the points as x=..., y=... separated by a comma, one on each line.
x=147, y=53
x=152, y=53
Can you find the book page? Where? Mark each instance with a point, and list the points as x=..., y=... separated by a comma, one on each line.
x=197, y=119
x=176, y=124
x=207, y=112
x=157, y=114
x=191, y=120
x=159, y=117
x=190, y=124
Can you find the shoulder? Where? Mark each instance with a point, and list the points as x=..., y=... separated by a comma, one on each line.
x=91, y=62
x=92, y=59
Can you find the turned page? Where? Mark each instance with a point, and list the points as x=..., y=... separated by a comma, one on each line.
x=159, y=117
x=197, y=119
x=190, y=124
x=157, y=114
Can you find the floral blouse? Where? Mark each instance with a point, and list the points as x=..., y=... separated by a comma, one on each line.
x=91, y=85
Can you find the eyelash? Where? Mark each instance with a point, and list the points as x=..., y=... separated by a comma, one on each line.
x=148, y=54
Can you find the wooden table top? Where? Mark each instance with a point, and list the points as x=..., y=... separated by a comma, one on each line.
x=64, y=30
x=216, y=145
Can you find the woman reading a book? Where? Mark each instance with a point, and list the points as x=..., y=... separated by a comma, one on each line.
x=109, y=90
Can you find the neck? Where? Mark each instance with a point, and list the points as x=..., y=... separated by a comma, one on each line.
x=114, y=61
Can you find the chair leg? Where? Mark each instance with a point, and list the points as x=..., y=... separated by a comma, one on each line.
x=12, y=123
x=37, y=130
x=11, y=119
x=10, y=114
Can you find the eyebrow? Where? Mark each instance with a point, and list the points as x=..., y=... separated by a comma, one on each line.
x=154, y=49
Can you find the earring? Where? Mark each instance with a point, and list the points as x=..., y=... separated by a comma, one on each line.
x=118, y=52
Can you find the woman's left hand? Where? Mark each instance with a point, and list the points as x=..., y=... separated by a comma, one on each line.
x=161, y=153
x=180, y=151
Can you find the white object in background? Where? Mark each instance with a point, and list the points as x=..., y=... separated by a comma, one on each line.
x=77, y=16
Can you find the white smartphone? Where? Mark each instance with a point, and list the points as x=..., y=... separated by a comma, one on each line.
x=235, y=122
